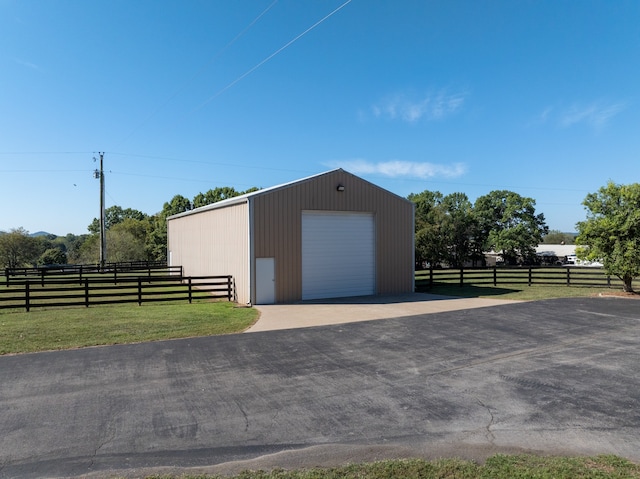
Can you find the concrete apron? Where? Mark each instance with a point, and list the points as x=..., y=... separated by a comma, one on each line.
x=365, y=308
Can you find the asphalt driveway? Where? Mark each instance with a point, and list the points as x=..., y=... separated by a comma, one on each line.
x=558, y=376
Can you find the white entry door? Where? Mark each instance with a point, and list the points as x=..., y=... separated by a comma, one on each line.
x=265, y=280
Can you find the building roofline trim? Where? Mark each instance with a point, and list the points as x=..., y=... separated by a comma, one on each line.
x=245, y=198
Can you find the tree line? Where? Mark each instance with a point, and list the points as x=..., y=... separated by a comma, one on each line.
x=452, y=231
x=449, y=230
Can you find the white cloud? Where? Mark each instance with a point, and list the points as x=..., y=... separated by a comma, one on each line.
x=596, y=115
x=412, y=109
x=397, y=169
x=545, y=115
x=27, y=64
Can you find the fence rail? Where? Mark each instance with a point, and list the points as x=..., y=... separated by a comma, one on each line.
x=558, y=276
x=90, y=291
x=46, y=274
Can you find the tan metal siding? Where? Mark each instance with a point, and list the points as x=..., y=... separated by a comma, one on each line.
x=277, y=234
x=213, y=242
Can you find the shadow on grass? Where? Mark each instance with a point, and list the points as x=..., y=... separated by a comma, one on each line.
x=466, y=291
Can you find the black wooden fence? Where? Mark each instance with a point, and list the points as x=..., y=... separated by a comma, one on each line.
x=95, y=290
x=81, y=271
x=559, y=276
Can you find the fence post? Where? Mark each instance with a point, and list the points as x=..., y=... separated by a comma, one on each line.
x=6, y=273
x=139, y=291
x=42, y=276
x=529, y=275
x=608, y=281
x=495, y=276
x=80, y=274
x=189, y=290
x=430, y=276
x=26, y=298
x=229, y=288
x=115, y=274
x=461, y=277
x=568, y=276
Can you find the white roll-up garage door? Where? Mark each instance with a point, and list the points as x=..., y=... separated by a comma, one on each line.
x=338, y=254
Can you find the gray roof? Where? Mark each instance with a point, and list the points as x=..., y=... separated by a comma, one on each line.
x=556, y=249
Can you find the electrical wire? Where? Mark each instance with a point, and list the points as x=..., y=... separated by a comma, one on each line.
x=435, y=183
x=45, y=171
x=202, y=162
x=46, y=152
x=173, y=178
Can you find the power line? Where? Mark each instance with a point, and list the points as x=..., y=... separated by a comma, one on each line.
x=427, y=182
x=44, y=171
x=202, y=162
x=173, y=178
x=45, y=152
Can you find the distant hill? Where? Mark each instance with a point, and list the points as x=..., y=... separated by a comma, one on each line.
x=40, y=233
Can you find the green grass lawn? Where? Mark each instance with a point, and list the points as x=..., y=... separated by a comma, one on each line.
x=496, y=467
x=65, y=328
x=513, y=283
x=45, y=329
x=520, y=292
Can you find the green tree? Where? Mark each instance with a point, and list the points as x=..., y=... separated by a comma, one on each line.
x=458, y=223
x=156, y=242
x=53, y=256
x=429, y=239
x=126, y=241
x=71, y=245
x=49, y=242
x=18, y=249
x=508, y=223
x=89, y=251
x=178, y=204
x=114, y=215
x=213, y=196
x=611, y=232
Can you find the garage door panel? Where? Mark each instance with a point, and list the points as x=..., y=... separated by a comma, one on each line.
x=338, y=254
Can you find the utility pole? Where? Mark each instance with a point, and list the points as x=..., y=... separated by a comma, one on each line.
x=103, y=239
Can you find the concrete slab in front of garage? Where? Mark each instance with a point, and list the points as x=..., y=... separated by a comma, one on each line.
x=366, y=308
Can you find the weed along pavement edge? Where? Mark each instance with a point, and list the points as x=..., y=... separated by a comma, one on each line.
x=551, y=377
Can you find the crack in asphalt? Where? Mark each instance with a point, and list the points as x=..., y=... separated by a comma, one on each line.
x=101, y=445
x=489, y=434
x=246, y=418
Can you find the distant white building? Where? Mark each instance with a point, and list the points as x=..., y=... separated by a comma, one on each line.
x=566, y=254
x=559, y=250
x=549, y=254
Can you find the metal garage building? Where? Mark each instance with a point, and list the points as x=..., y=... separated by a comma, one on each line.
x=326, y=236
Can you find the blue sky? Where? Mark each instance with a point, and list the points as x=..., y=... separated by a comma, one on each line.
x=538, y=97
